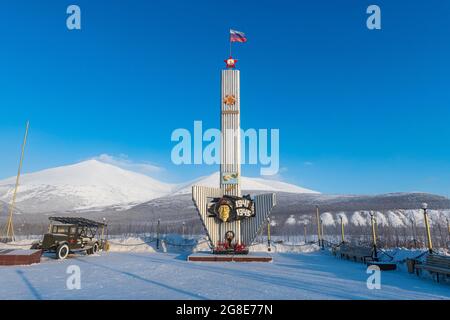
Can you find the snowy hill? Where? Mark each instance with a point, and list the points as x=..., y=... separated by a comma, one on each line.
x=89, y=184
x=248, y=184
x=3, y=208
x=94, y=185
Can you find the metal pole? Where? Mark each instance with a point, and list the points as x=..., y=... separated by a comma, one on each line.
x=448, y=231
x=374, y=235
x=441, y=242
x=413, y=223
x=321, y=232
x=427, y=227
x=342, y=230
x=268, y=235
x=103, y=229
x=157, y=233
x=184, y=225
x=230, y=42
x=10, y=226
x=304, y=231
x=319, y=237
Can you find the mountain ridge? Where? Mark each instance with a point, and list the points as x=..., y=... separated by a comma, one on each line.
x=93, y=185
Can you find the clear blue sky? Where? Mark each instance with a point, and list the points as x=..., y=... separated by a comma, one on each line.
x=359, y=111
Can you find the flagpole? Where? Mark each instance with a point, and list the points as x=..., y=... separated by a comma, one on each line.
x=229, y=39
x=10, y=226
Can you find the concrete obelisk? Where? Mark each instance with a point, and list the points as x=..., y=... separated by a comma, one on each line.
x=223, y=210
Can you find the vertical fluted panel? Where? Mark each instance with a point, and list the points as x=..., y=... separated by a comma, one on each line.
x=231, y=142
x=250, y=227
x=201, y=196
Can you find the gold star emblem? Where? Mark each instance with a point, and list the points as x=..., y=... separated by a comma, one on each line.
x=229, y=100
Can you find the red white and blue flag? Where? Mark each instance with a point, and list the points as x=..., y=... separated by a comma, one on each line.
x=237, y=36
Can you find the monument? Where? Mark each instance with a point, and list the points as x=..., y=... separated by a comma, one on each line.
x=231, y=220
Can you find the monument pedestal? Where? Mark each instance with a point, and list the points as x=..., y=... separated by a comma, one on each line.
x=210, y=257
x=13, y=257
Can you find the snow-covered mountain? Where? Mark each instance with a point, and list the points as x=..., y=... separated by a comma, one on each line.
x=247, y=184
x=85, y=185
x=94, y=185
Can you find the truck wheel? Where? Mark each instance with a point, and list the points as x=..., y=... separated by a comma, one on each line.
x=62, y=251
x=35, y=246
x=93, y=250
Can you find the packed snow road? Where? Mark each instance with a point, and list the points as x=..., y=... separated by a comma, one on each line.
x=169, y=276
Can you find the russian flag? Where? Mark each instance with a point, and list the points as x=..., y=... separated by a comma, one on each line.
x=237, y=36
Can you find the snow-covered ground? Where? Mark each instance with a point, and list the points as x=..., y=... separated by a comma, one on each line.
x=131, y=275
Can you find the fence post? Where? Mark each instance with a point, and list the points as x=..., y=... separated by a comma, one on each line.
x=342, y=230
x=268, y=235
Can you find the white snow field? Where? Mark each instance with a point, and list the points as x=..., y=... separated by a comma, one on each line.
x=128, y=275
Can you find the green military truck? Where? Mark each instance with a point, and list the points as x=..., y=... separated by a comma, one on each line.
x=70, y=235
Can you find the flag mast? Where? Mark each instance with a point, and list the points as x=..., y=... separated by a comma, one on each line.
x=229, y=39
x=9, y=226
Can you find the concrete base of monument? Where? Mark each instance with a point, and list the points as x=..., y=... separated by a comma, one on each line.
x=210, y=257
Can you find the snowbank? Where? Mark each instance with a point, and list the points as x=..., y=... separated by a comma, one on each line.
x=130, y=244
x=285, y=248
x=19, y=244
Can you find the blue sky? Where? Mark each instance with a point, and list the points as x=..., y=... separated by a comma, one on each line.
x=359, y=111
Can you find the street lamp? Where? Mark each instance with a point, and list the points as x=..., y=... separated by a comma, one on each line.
x=342, y=230
x=321, y=233
x=157, y=233
x=427, y=226
x=413, y=227
x=319, y=237
x=374, y=235
x=304, y=230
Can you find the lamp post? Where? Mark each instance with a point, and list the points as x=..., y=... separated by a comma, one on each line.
x=321, y=233
x=374, y=235
x=304, y=231
x=427, y=227
x=319, y=237
x=157, y=233
x=413, y=227
x=183, y=228
x=103, y=229
x=448, y=227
